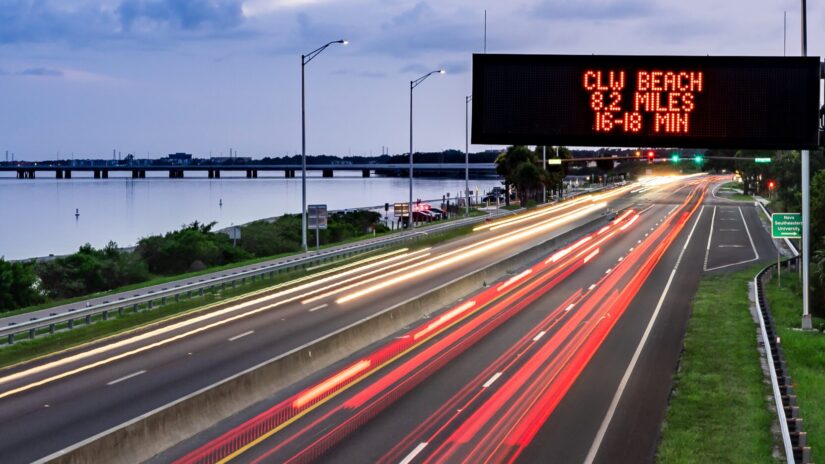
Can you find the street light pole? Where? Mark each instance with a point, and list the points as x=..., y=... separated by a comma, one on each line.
x=544, y=168
x=467, y=101
x=413, y=85
x=305, y=59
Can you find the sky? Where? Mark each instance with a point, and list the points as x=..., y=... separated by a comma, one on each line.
x=81, y=78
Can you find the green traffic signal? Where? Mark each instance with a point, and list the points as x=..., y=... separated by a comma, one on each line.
x=674, y=158
x=698, y=159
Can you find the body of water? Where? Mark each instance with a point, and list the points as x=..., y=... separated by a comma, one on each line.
x=37, y=217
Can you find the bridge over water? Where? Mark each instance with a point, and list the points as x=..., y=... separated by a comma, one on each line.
x=177, y=171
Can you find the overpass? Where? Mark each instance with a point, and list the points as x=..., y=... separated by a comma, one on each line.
x=176, y=171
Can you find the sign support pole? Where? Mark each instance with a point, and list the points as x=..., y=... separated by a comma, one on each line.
x=806, y=203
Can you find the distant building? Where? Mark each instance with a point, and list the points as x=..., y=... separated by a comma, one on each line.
x=179, y=158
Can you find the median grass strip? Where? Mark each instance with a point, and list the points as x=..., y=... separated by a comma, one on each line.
x=718, y=410
x=804, y=353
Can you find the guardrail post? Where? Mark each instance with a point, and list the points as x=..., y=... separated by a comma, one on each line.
x=10, y=339
x=201, y=291
x=149, y=304
x=233, y=284
x=177, y=297
x=189, y=294
x=88, y=319
x=163, y=300
x=105, y=315
x=31, y=334
x=71, y=323
x=135, y=308
x=51, y=328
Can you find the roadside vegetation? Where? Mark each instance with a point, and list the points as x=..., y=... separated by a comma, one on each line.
x=25, y=349
x=193, y=248
x=804, y=353
x=718, y=410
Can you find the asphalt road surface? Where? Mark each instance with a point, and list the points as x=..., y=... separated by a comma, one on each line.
x=62, y=399
x=570, y=360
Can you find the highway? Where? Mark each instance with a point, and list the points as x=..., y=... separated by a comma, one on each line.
x=59, y=400
x=567, y=360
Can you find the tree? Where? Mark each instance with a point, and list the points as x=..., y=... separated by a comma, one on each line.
x=518, y=166
x=18, y=285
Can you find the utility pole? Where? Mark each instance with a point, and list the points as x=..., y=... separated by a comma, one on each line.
x=544, y=169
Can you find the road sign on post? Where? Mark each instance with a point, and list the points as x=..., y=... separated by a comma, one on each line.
x=786, y=225
x=317, y=219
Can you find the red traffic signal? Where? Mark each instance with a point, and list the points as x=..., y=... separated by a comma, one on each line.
x=650, y=155
x=771, y=184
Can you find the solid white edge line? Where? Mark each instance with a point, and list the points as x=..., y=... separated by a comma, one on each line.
x=492, y=380
x=710, y=237
x=414, y=453
x=312, y=310
x=597, y=441
x=126, y=377
x=538, y=336
x=747, y=229
x=232, y=339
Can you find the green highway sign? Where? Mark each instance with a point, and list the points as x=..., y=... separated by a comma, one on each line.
x=786, y=225
x=761, y=160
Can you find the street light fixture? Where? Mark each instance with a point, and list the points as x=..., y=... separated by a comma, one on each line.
x=305, y=59
x=467, y=101
x=413, y=85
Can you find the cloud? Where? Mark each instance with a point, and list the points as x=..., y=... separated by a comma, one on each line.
x=87, y=22
x=41, y=72
x=186, y=14
x=593, y=9
x=361, y=73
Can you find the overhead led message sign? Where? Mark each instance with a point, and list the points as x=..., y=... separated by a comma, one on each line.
x=650, y=101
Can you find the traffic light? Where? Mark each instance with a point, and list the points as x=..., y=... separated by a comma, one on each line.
x=771, y=185
x=675, y=158
x=650, y=156
x=698, y=159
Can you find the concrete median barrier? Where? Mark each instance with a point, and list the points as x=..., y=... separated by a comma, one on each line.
x=149, y=434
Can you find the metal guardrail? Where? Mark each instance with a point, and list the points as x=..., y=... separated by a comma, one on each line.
x=793, y=437
x=103, y=310
x=88, y=314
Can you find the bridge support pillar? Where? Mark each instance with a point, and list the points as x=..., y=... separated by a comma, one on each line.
x=58, y=174
x=20, y=174
x=217, y=173
x=248, y=173
x=365, y=173
x=327, y=173
x=142, y=174
x=255, y=173
x=32, y=174
x=105, y=173
x=67, y=174
x=211, y=174
x=135, y=174
x=97, y=173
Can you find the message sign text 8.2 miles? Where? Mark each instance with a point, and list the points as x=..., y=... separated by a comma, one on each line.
x=648, y=101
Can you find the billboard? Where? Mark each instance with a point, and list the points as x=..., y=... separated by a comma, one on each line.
x=646, y=101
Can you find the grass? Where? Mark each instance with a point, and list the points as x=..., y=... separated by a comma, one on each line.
x=159, y=280
x=741, y=197
x=718, y=411
x=804, y=352
x=26, y=349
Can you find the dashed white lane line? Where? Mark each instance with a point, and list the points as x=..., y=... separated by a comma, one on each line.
x=597, y=441
x=492, y=379
x=538, y=336
x=232, y=339
x=569, y=307
x=414, y=453
x=591, y=287
x=312, y=310
x=126, y=377
x=608, y=271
